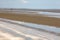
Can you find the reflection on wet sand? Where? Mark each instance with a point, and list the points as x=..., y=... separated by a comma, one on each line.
x=24, y=32
x=7, y=36
x=5, y=33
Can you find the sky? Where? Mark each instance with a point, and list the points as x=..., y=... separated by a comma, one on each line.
x=31, y=4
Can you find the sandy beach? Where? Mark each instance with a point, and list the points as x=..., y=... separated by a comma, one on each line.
x=39, y=19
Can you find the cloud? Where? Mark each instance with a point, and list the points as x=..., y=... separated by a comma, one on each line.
x=24, y=1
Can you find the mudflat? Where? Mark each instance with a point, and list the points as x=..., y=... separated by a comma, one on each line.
x=39, y=19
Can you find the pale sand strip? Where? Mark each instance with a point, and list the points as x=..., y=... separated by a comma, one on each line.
x=6, y=36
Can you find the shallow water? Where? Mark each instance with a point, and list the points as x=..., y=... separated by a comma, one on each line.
x=23, y=28
x=50, y=14
x=44, y=27
x=39, y=26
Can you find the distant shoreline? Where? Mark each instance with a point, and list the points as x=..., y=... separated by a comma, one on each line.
x=26, y=9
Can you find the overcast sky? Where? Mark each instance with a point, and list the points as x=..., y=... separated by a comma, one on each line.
x=35, y=4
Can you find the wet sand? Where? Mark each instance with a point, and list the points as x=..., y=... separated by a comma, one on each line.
x=39, y=19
